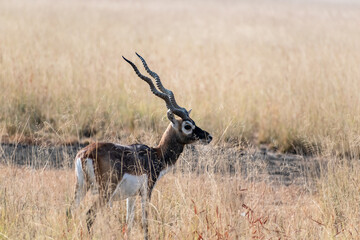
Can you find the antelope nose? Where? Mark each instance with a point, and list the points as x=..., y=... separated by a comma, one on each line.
x=209, y=138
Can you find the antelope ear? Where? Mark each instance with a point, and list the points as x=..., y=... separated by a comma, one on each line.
x=189, y=111
x=172, y=119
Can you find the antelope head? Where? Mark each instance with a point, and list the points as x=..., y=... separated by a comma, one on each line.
x=185, y=128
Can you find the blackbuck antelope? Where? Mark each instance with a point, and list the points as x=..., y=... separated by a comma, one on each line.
x=122, y=172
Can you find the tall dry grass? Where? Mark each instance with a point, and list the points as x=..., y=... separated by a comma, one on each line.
x=279, y=73
x=186, y=205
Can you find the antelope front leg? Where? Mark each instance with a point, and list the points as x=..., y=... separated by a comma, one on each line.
x=144, y=208
x=130, y=206
x=145, y=193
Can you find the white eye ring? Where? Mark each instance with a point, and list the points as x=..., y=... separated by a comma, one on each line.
x=187, y=127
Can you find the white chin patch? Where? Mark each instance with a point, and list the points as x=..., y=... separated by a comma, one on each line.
x=187, y=127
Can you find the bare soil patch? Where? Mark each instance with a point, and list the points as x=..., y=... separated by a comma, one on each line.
x=252, y=164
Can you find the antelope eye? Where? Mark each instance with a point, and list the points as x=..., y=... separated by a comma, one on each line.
x=187, y=127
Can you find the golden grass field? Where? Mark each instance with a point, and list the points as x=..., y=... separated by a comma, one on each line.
x=276, y=73
x=185, y=205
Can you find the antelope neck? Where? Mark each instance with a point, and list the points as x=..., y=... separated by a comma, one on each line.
x=169, y=149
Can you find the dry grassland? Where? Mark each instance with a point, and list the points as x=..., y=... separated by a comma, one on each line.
x=186, y=206
x=278, y=73
x=284, y=74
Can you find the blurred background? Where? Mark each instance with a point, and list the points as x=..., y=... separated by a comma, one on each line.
x=265, y=78
x=280, y=73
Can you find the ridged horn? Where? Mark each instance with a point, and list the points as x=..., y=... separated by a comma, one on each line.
x=153, y=89
x=162, y=88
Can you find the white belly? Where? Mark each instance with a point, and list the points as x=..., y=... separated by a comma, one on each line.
x=129, y=186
